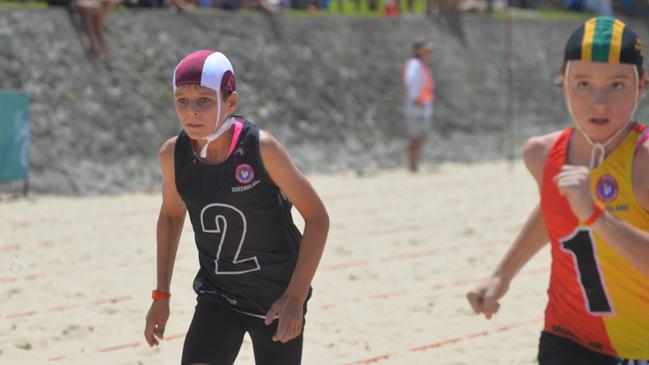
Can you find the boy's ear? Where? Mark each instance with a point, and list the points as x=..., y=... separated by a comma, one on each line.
x=233, y=100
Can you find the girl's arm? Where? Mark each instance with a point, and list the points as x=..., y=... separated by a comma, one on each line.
x=484, y=298
x=316, y=226
x=170, y=224
x=630, y=242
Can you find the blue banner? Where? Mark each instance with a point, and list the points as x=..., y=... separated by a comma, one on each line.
x=14, y=135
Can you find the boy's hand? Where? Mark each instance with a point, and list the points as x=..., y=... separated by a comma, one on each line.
x=289, y=313
x=574, y=183
x=156, y=321
x=484, y=298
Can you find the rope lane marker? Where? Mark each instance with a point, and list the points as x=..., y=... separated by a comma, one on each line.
x=447, y=341
x=65, y=307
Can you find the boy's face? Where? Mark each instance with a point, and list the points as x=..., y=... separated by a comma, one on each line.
x=197, y=108
x=602, y=96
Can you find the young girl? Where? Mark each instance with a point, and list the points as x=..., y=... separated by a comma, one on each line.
x=238, y=184
x=594, y=209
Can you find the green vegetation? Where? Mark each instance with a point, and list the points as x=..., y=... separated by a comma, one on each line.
x=8, y=4
x=349, y=9
x=545, y=14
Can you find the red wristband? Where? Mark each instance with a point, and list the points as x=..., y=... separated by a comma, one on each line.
x=157, y=295
x=597, y=212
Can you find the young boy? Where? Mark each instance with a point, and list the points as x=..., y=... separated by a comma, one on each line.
x=594, y=185
x=238, y=184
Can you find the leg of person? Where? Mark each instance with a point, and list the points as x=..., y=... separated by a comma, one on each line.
x=105, y=8
x=269, y=352
x=421, y=128
x=556, y=350
x=101, y=37
x=214, y=336
x=429, y=8
x=454, y=21
x=413, y=120
x=416, y=144
x=88, y=12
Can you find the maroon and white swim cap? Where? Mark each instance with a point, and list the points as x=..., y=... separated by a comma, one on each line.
x=214, y=71
x=206, y=68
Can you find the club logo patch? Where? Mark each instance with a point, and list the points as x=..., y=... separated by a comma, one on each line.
x=244, y=173
x=607, y=188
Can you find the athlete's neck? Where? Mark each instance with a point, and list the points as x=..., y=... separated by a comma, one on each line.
x=217, y=151
x=580, y=149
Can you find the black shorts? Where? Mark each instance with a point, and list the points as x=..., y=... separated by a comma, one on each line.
x=216, y=334
x=557, y=350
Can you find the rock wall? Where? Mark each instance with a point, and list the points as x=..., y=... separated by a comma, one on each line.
x=328, y=88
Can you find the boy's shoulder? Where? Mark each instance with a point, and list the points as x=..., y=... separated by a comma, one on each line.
x=168, y=147
x=266, y=139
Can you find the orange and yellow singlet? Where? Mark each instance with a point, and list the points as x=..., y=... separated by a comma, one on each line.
x=596, y=298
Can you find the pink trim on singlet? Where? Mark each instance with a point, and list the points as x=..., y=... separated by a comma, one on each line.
x=643, y=137
x=238, y=126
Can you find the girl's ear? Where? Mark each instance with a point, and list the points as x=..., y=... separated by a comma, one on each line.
x=644, y=83
x=558, y=81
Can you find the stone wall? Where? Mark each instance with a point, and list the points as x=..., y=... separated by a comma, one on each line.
x=328, y=88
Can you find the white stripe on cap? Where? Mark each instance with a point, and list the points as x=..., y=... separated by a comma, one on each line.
x=214, y=67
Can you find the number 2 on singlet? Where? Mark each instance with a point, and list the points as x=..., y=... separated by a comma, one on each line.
x=222, y=220
x=580, y=245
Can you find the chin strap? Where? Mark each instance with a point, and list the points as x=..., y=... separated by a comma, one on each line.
x=600, y=146
x=227, y=123
x=222, y=129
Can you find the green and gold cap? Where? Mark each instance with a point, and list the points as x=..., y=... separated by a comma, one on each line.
x=605, y=39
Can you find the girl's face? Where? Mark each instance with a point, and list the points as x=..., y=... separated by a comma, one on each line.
x=602, y=96
x=197, y=109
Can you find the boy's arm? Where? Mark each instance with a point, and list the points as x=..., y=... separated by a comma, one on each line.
x=170, y=220
x=170, y=224
x=484, y=298
x=316, y=226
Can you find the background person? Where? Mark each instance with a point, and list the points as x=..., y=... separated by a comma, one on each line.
x=419, y=91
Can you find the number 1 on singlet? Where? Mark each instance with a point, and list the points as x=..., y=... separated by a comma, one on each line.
x=580, y=245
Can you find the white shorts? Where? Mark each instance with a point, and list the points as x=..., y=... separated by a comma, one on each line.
x=419, y=119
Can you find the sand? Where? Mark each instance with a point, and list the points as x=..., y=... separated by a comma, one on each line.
x=76, y=274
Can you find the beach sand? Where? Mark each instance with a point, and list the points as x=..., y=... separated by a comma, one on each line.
x=76, y=273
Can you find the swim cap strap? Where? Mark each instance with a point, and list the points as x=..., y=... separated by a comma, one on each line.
x=222, y=129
